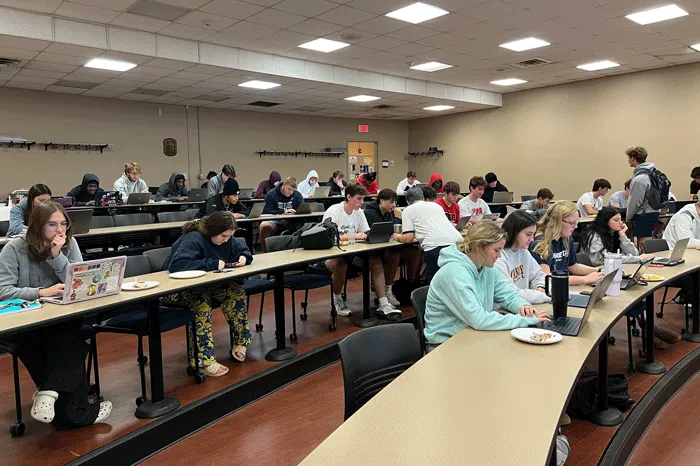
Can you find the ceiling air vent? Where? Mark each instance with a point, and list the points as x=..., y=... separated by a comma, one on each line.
x=384, y=107
x=531, y=63
x=5, y=62
x=262, y=103
x=310, y=109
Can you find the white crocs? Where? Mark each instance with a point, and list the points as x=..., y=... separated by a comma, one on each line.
x=105, y=411
x=42, y=409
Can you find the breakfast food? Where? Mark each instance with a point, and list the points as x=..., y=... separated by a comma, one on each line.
x=542, y=337
x=139, y=284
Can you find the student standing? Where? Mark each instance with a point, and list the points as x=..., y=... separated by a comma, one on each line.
x=227, y=201
x=639, y=212
x=32, y=267
x=492, y=186
x=130, y=182
x=467, y=286
x=174, y=190
x=472, y=204
x=216, y=184
x=684, y=224
x=88, y=192
x=608, y=234
x=309, y=185
x=337, y=184
x=436, y=183
x=449, y=202
x=619, y=199
x=541, y=201
x=208, y=244
x=591, y=202
x=695, y=184
x=20, y=213
x=284, y=199
x=265, y=186
x=407, y=183
x=369, y=181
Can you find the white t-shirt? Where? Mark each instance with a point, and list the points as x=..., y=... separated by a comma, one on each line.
x=427, y=221
x=475, y=209
x=404, y=185
x=588, y=198
x=356, y=219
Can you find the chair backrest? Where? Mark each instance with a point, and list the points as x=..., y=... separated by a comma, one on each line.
x=584, y=258
x=158, y=257
x=124, y=220
x=241, y=240
x=137, y=265
x=277, y=243
x=655, y=245
x=418, y=298
x=101, y=221
x=4, y=226
x=372, y=358
x=153, y=190
x=527, y=198
x=165, y=217
x=191, y=213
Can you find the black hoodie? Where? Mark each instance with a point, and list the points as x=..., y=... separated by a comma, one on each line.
x=335, y=189
x=374, y=214
x=277, y=203
x=169, y=192
x=80, y=193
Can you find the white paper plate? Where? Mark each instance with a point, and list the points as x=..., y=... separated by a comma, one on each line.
x=131, y=286
x=525, y=334
x=187, y=274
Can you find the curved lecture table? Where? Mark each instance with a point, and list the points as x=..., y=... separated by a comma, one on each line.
x=484, y=398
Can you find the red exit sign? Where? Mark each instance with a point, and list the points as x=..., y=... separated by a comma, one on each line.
x=363, y=128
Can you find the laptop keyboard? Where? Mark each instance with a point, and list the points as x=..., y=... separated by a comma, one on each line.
x=561, y=325
x=579, y=300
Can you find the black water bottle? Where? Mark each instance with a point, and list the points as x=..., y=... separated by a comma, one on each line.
x=556, y=286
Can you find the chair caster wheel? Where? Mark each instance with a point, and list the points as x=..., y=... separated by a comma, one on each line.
x=190, y=371
x=292, y=337
x=17, y=429
x=611, y=340
x=143, y=361
x=258, y=327
x=332, y=327
x=636, y=332
x=92, y=389
x=304, y=305
x=303, y=316
x=199, y=378
x=140, y=400
x=660, y=315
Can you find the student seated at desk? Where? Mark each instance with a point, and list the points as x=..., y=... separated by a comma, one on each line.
x=449, y=202
x=554, y=248
x=369, y=181
x=265, y=186
x=608, y=233
x=216, y=184
x=436, y=183
x=20, y=213
x=695, y=184
x=210, y=175
x=88, y=192
x=472, y=204
x=492, y=186
x=516, y=264
x=337, y=184
x=591, y=202
x=619, y=199
x=541, y=201
x=174, y=190
x=352, y=221
x=463, y=292
x=208, y=244
x=227, y=201
x=309, y=185
x=130, y=182
x=407, y=183
x=684, y=224
x=284, y=199
x=32, y=267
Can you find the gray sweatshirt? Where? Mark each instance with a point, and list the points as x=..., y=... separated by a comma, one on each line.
x=523, y=273
x=125, y=186
x=529, y=205
x=21, y=278
x=637, y=203
x=684, y=224
x=596, y=251
x=215, y=186
x=17, y=212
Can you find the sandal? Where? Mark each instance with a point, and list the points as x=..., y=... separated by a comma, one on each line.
x=239, y=353
x=105, y=411
x=215, y=370
x=42, y=409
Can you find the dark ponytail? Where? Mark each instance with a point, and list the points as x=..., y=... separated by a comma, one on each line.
x=611, y=240
x=34, y=192
x=212, y=225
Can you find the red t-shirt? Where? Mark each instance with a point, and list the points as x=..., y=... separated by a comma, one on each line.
x=452, y=211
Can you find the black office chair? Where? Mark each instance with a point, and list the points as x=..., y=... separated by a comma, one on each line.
x=92, y=244
x=419, y=296
x=192, y=213
x=584, y=258
x=158, y=257
x=101, y=221
x=301, y=281
x=527, y=198
x=153, y=190
x=372, y=358
x=652, y=246
x=139, y=240
x=4, y=226
x=166, y=217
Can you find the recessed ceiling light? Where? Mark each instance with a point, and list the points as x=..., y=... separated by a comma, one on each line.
x=431, y=66
x=324, y=45
x=598, y=65
x=438, y=108
x=417, y=13
x=508, y=82
x=658, y=14
x=696, y=47
x=259, y=84
x=525, y=44
x=362, y=98
x=113, y=65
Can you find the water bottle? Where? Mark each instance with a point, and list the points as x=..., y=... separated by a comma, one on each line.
x=613, y=261
x=556, y=286
x=351, y=235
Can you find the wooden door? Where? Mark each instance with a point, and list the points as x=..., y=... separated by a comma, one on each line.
x=362, y=158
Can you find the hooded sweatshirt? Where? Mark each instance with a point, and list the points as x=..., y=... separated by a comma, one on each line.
x=125, y=186
x=684, y=224
x=307, y=189
x=523, y=273
x=335, y=189
x=268, y=185
x=372, y=187
x=374, y=214
x=194, y=251
x=217, y=204
x=17, y=216
x=461, y=296
x=80, y=193
x=488, y=192
x=596, y=250
x=276, y=202
x=169, y=192
x=437, y=177
x=637, y=202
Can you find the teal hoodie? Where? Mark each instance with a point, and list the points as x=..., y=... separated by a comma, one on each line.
x=461, y=296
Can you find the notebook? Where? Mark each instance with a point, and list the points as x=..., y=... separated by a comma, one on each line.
x=91, y=280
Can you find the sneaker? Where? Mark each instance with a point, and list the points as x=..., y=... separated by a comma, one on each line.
x=387, y=311
x=342, y=309
x=392, y=299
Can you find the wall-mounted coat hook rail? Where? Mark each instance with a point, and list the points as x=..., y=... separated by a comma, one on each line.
x=74, y=146
x=278, y=153
x=426, y=154
x=17, y=143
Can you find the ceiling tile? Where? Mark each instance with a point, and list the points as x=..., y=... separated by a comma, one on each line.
x=87, y=78
x=73, y=50
x=413, y=33
x=381, y=25
x=184, y=31
x=17, y=54
x=191, y=4
x=157, y=86
x=209, y=21
x=232, y=8
x=307, y=8
x=289, y=37
x=346, y=16
x=20, y=85
x=169, y=64
x=42, y=6
x=315, y=27
x=189, y=76
x=441, y=40
x=62, y=59
x=33, y=80
x=86, y=12
x=128, y=57
x=208, y=70
x=382, y=43
x=21, y=43
x=142, y=23
x=38, y=65
x=489, y=10
x=118, y=5
x=41, y=73
x=249, y=31
x=379, y=8
x=276, y=18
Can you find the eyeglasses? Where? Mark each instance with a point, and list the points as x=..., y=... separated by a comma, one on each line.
x=54, y=226
x=573, y=224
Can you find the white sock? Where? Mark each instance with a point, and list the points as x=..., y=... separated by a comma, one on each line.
x=388, y=289
x=383, y=301
x=338, y=298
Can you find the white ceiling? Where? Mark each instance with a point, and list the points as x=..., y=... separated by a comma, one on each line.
x=580, y=31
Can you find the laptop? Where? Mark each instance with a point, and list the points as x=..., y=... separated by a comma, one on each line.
x=246, y=193
x=197, y=194
x=462, y=224
x=91, y=280
x=139, y=198
x=380, y=232
x=490, y=217
x=572, y=326
x=65, y=201
x=502, y=197
x=306, y=208
x=628, y=283
x=676, y=256
x=322, y=191
x=257, y=210
x=582, y=300
x=80, y=220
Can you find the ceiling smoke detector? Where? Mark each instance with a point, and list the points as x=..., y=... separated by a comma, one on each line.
x=350, y=37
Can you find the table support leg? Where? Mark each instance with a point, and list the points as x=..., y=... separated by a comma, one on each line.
x=604, y=415
x=367, y=320
x=694, y=336
x=159, y=404
x=649, y=366
x=281, y=352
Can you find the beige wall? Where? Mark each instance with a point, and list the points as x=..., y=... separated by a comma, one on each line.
x=137, y=130
x=566, y=136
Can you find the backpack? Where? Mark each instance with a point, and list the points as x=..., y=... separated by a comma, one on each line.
x=657, y=195
x=585, y=397
x=312, y=236
x=402, y=290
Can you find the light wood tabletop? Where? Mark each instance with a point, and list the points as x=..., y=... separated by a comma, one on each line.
x=481, y=398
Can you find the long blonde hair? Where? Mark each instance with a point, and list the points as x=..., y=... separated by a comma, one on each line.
x=550, y=226
x=479, y=236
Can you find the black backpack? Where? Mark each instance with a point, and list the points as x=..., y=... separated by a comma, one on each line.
x=312, y=236
x=585, y=397
x=657, y=195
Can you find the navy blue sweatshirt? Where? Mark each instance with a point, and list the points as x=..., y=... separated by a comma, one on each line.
x=277, y=203
x=194, y=251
